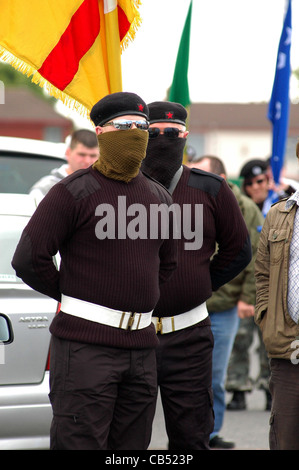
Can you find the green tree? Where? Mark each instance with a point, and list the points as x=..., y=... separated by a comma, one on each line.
x=13, y=78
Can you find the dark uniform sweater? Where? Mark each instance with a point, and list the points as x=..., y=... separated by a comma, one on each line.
x=222, y=222
x=123, y=274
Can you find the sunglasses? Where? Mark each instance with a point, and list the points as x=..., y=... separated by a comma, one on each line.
x=260, y=181
x=125, y=124
x=169, y=132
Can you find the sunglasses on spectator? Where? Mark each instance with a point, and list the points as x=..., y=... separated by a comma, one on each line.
x=125, y=124
x=260, y=181
x=169, y=132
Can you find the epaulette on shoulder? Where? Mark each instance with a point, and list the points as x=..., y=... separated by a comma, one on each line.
x=80, y=184
x=208, y=182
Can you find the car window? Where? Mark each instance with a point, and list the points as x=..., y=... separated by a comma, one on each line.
x=18, y=173
x=11, y=228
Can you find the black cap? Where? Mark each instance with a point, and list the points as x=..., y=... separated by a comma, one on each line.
x=167, y=111
x=253, y=168
x=118, y=104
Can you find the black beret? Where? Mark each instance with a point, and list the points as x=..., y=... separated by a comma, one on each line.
x=167, y=111
x=253, y=168
x=117, y=104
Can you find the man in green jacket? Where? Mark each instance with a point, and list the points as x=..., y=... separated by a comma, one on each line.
x=232, y=302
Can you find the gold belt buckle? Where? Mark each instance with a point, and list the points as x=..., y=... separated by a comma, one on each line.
x=130, y=320
x=159, y=326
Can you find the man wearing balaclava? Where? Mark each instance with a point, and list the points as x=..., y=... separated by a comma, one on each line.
x=103, y=383
x=207, y=213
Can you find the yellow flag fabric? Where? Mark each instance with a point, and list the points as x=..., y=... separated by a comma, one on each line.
x=72, y=47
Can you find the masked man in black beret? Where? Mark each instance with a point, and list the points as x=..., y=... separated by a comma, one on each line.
x=103, y=384
x=207, y=213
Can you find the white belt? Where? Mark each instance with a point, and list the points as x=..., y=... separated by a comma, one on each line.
x=104, y=315
x=179, y=322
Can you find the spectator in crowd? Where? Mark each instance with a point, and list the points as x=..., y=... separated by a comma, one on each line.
x=256, y=182
x=276, y=313
x=256, y=186
x=81, y=152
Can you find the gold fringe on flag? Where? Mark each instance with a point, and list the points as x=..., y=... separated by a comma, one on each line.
x=26, y=68
x=37, y=79
x=130, y=36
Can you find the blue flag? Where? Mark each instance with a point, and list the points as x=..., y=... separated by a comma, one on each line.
x=278, y=111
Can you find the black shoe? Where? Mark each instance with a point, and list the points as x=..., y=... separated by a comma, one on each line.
x=218, y=443
x=237, y=402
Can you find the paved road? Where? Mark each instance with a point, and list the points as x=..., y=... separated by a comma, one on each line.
x=249, y=429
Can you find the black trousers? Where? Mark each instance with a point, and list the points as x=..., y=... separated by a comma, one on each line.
x=184, y=361
x=102, y=398
x=284, y=419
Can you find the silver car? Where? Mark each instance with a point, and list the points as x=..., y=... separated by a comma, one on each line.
x=25, y=411
x=24, y=161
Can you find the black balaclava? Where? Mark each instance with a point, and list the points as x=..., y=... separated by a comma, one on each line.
x=164, y=156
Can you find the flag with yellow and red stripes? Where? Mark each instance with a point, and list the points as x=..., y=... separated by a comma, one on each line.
x=72, y=47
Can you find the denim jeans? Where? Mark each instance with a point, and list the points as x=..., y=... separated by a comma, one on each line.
x=224, y=327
